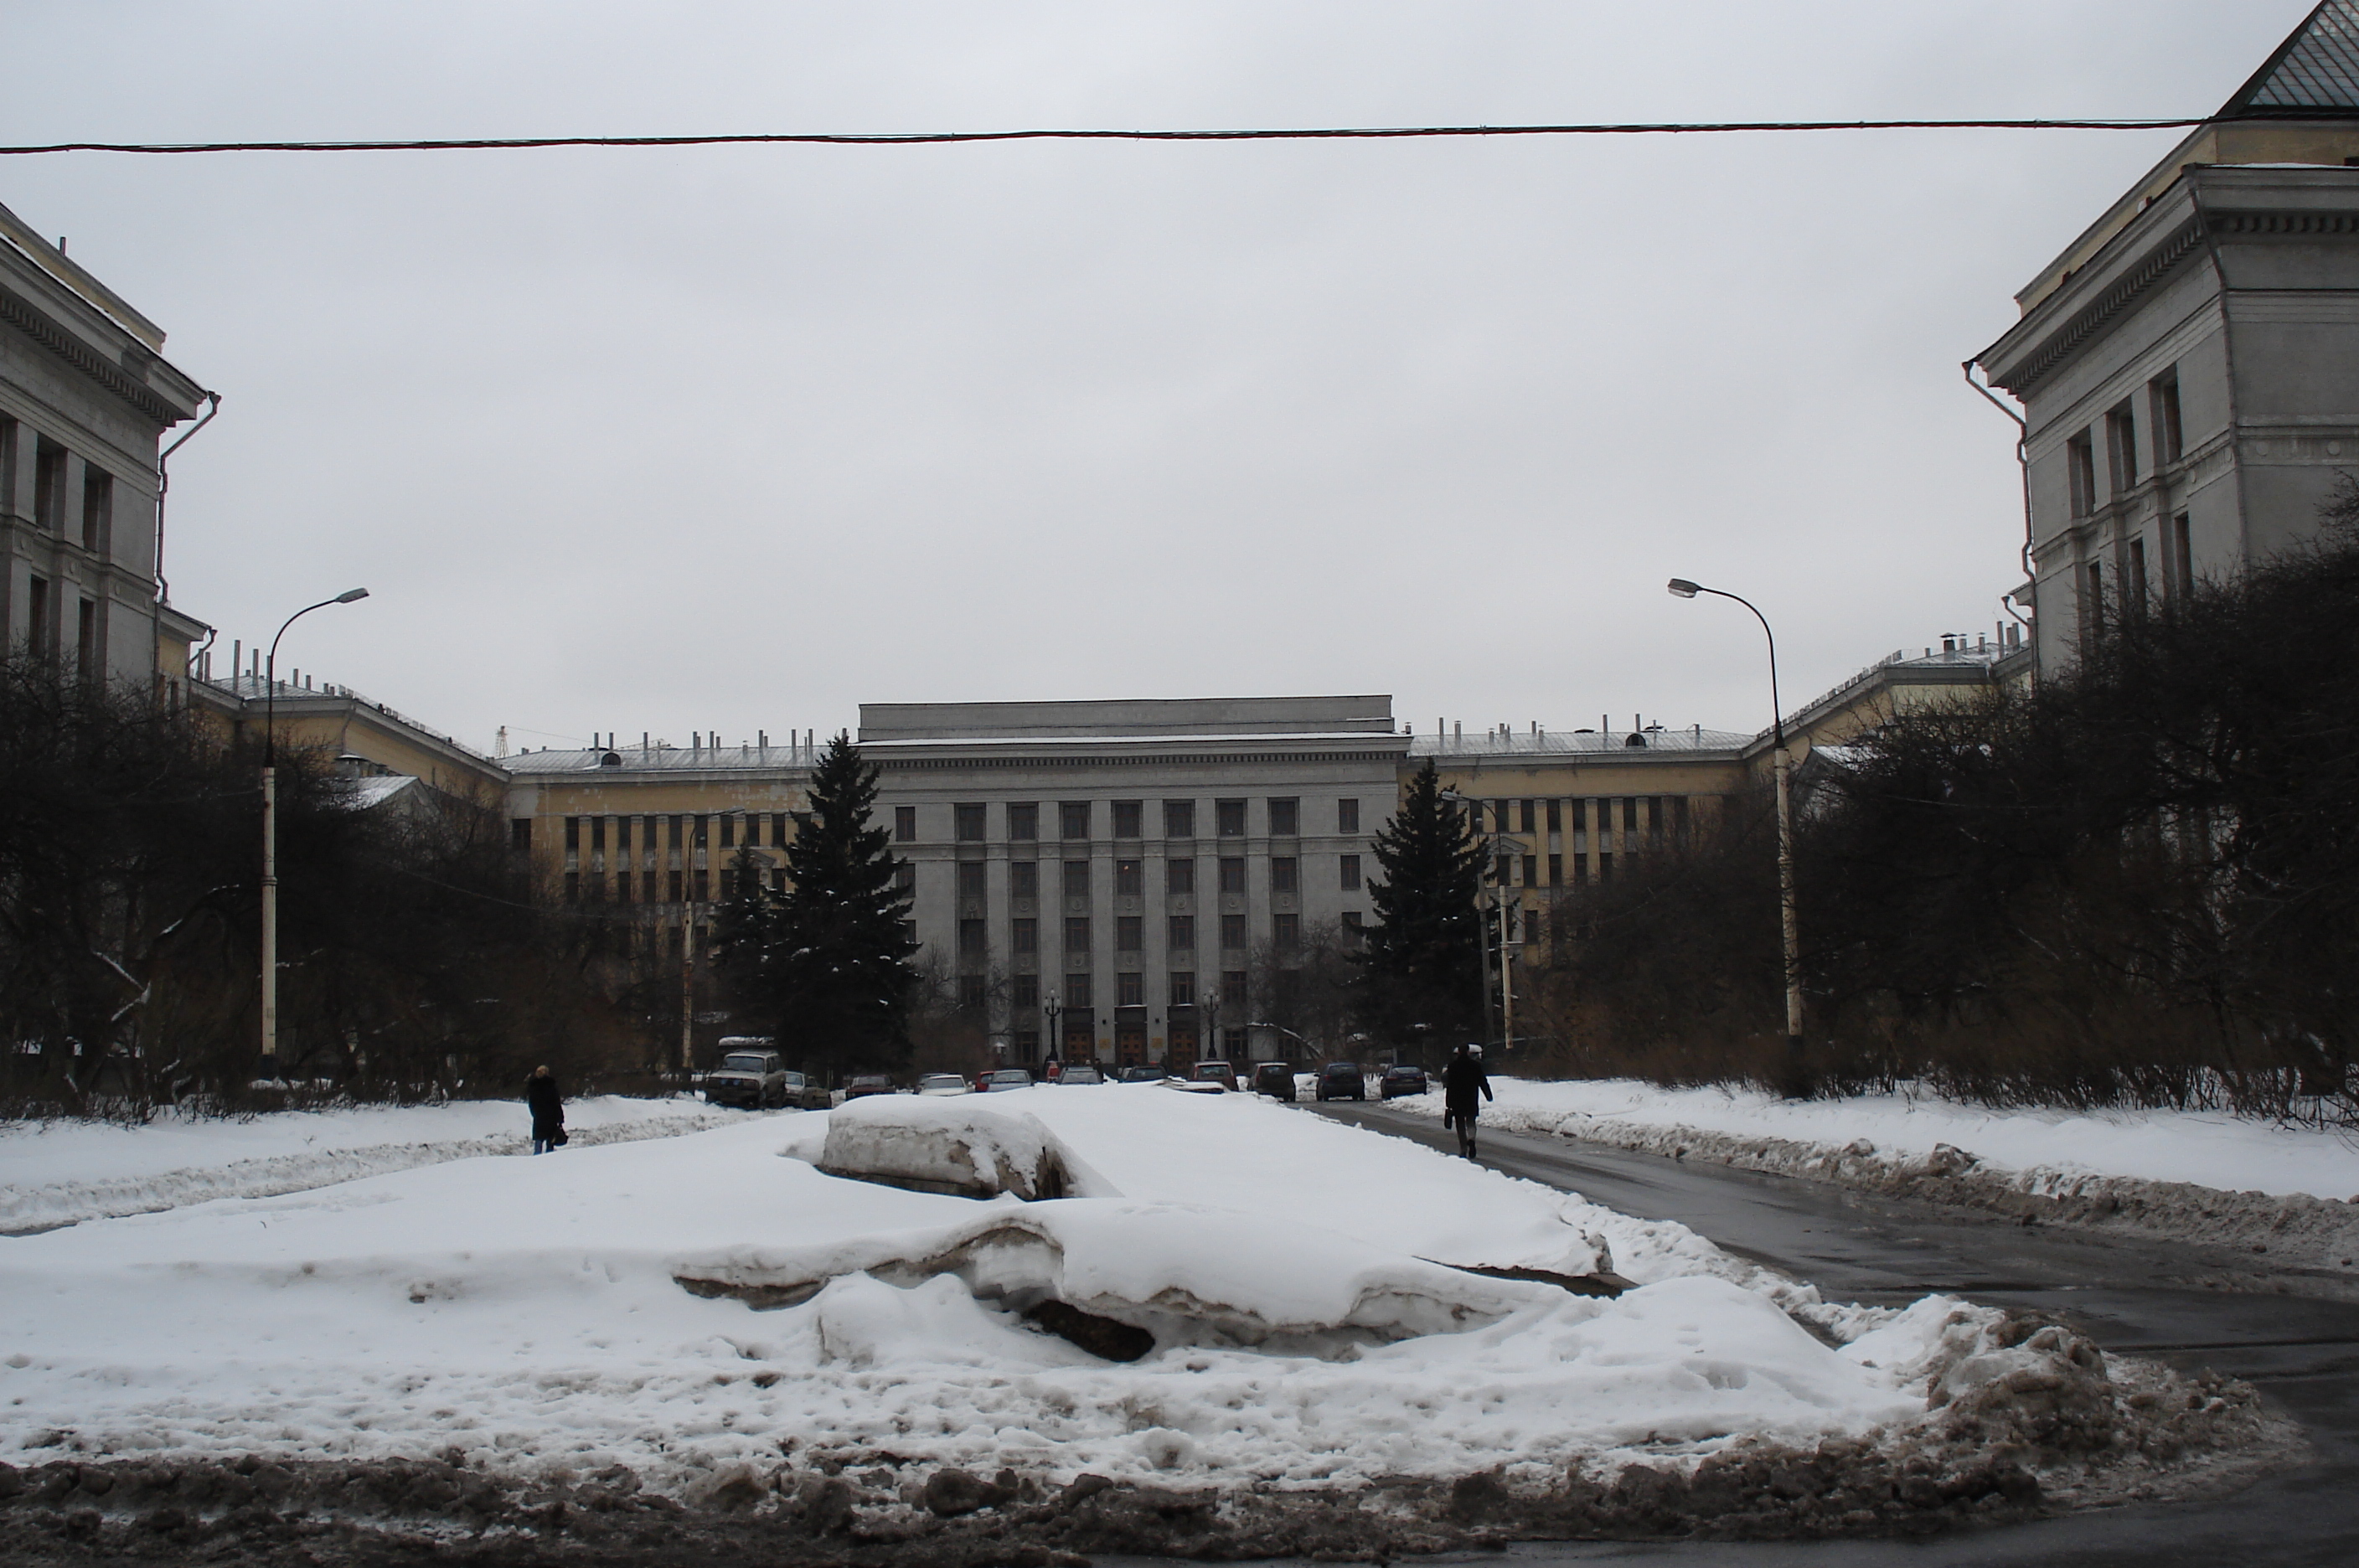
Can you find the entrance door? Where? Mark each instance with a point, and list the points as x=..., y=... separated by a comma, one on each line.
x=1130, y=1044
x=1180, y=1060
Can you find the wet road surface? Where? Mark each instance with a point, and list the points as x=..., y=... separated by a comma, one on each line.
x=2301, y=1352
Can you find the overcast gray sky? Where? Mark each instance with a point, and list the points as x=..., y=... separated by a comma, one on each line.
x=737, y=439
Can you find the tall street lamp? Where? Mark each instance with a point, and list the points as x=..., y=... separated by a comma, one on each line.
x=1212, y=1043
x=1682, y=588
x=1050, y=1009
x=270, y=830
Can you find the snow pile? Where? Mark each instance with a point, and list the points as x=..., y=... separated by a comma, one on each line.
x=1303, y=1283
x=2264, y=1190
x=61, y=1172
x=2203, y=1148
x=961, y=1146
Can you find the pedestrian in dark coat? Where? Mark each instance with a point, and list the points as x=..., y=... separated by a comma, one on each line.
x=546, y=1103
x=1464, y=1087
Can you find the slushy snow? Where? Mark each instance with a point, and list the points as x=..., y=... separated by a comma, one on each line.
x=528, y=1311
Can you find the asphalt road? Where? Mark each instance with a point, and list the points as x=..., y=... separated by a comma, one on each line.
x=2302, y=1353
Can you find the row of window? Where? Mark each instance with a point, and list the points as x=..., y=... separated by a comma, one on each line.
x=1076, y=819
x=1077, y=996
x=2120, y=433
x=1130, y=933
x=685, y=830
x=2134, y=591
x=40, y=634
x=1652, y=814
x=1130, y=876
x=50, y=460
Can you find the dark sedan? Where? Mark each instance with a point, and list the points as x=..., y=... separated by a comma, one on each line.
x=1342, y=1081
x=867, y=1084
x=1403, y=1079
x=1275, y=1079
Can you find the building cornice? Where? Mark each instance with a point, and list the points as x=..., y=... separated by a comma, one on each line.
x=132, y=390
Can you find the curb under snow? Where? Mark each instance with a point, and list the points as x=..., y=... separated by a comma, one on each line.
x=2289, y=1233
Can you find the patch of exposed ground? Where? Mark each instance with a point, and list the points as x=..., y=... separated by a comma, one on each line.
x=2033, y=1421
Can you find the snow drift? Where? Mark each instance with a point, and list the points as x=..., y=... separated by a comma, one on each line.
x=958, y=1146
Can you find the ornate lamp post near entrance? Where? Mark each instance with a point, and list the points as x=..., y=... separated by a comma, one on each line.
x=1051, y=1009
x=1212, y=1028
x=1684, y=589
x=270, y=830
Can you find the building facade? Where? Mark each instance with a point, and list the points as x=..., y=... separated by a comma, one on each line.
x=85, y=396
x=2189, y=367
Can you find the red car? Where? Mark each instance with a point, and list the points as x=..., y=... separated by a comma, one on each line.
x=869, y=1083
x=1219, y=1073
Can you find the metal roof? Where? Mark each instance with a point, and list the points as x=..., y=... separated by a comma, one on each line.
x=2314, y=72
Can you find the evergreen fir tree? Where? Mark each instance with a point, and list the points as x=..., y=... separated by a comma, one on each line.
x=835, y=968
x=1420, y=961
x=744, y=933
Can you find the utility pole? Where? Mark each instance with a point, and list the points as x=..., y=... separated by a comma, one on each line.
x=687, y=990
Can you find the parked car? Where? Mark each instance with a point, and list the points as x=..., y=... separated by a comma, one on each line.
x=1219, y=1073
x=1144, y=1075
x=1081, y=1072
x=1275, y=1079
x=1000, y=1079
x=943, y=1083
x=1342, y=1081
x=1401, y=1078
x=753, y=1079
x=869, y=1083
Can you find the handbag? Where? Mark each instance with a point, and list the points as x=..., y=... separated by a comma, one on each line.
x=559, y=1141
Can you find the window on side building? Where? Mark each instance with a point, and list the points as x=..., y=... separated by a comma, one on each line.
x=2162, y=415
x=905, y=824
x=97, y=508
x=1023, y=820
x=1284, y=818
x=2081, y=474
x=1129, y=818
x=1347, y=816
x=967, y=822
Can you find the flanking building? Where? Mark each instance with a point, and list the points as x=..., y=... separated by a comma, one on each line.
x=86, y=398
x=2188, y=366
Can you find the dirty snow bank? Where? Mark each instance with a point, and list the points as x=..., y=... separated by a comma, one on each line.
x=61, y=1172
x=2198, y=1176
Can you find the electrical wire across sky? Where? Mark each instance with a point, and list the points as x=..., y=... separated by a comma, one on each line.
x=929, y=138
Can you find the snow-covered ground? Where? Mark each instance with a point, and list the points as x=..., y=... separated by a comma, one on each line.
x=2204, y=1148
x=60, y=1172
x=528, y=1311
